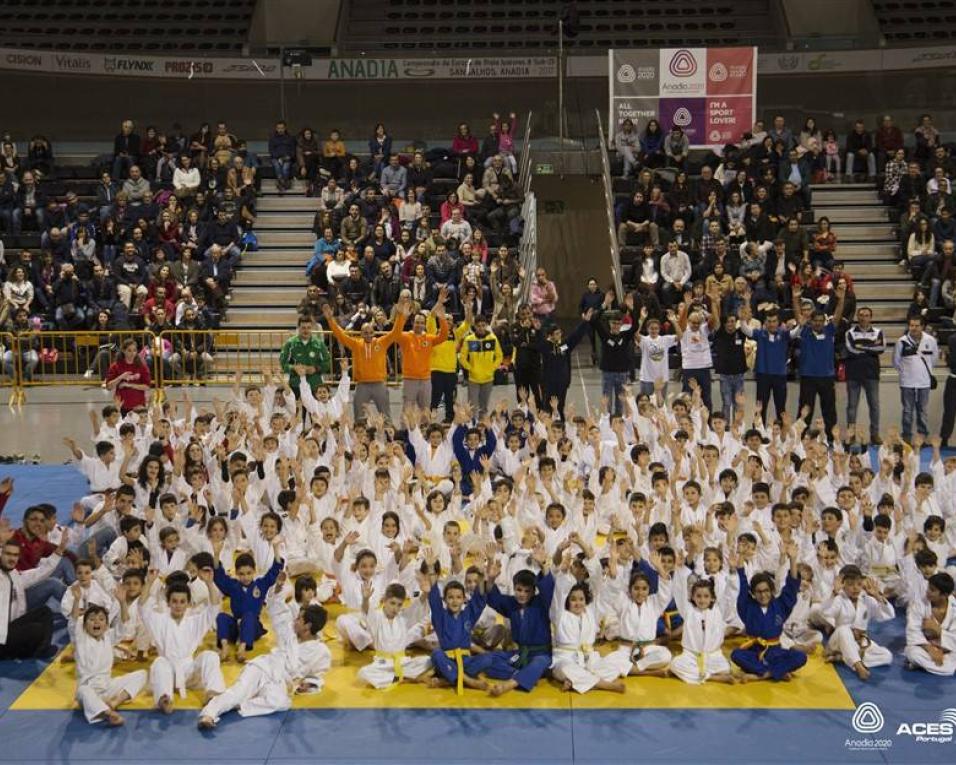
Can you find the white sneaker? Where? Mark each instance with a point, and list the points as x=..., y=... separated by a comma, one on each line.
x=88, y=374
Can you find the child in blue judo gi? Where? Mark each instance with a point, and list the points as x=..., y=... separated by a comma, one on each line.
x=246, y=597
x=528, y=613
x=761, y=656
x=454, y=619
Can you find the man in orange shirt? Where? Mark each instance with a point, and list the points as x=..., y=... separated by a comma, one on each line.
x=368, y=359
x=416, y=355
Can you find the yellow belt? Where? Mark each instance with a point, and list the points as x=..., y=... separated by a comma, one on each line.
x=883, y=570
x=702, y=661
x=584, y=648
x=764, y=644
x=397, y=658
x=459, y=654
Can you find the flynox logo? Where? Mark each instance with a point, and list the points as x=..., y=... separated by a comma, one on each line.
x=683, y=117
x=114, y=64
x=626, y=74
x=868, y=718
x=718, y=73
x=683, y=64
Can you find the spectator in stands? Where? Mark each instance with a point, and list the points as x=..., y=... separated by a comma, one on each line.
x=101, y=292
x=456, y=228
x=223, y=233
x=635, y=222
x=394, y=178
x=386, y=287
x=354, y=228
x=912, y=186
x=941, y=269
x=130, y=273
x=927, y=138
x=893, y=172
x=464, y=143
x=126, y=150
x=334, y=154
x=379, y=148
x=355, y=286
x=627, y=144
x=939, y=184
x=27, y=341
x=859, y=148
x=17, y=293
x=106, y=191
x=824, y=244
x=30, y=207
x=282, y=150
x=677, y=147
x=888, y=140
x=795, y=172
x=920, y=247
x=543, y=297
x=191, y=355
x=40, y=156
x=215, y=275
x=864, y=345
x=186, y=178
x=652, y=145
x=780, y=132
x=69, y=299
x=675, y=274
x=136, y=186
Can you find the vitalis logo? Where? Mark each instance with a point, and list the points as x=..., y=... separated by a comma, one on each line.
x=683, y=64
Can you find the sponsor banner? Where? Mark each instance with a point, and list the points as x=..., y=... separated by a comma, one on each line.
x=709, y=92
x=336, y=69
x=820, y=62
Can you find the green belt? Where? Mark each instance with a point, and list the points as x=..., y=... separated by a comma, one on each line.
x=525, y=653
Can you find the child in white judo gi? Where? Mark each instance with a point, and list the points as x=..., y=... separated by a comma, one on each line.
x=574, y=662
x=177, y=633
x=97, y=691
x=855, y=601
x=299, y=661
x=393, y=628
x=931, y=628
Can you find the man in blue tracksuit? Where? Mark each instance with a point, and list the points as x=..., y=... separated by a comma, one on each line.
x=773, y=351
x=246, y=597
x=817, y=358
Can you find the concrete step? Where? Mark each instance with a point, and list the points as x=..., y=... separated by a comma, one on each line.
x=886, y=290
x=272, y=238
x=298, y=187
x=267, y=297
x=294, y=276
x=862, y=232
x=849, y=214
x=814, y=187
x=288, y=203
x=261, y=318
x=876, y=251
x=284, y=220
x=291, y=258
x=888, y=312
x=837, y=196
x=868, y=271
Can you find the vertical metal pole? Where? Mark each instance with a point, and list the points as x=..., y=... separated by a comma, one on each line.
x=561, y=91
x=282, y=84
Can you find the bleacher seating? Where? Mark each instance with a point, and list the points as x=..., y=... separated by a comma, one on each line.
x=173, y=26
x=532, y=24
x=913, y=21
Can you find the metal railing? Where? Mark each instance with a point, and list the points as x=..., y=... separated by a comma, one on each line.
x=615, y=252
x=8, y=366
x=524, y=168
x=528, y=245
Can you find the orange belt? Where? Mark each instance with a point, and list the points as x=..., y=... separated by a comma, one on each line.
x=764, y=644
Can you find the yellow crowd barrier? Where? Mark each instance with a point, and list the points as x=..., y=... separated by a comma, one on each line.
x=175, y=357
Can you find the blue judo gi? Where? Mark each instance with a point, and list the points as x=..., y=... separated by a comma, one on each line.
x=530, y=629
x=761, y=651
x=245, y=603
x=454, y=638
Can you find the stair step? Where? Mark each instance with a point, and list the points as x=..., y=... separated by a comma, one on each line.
x=281, y=277
x=814, y=187
x=854, y=214
x=269, y=187
x=267, y=297
x=261, y=318
x=834, y=196
x=902, y=291
x=866, y=271
x=877, y=251
x=293, y=203
x=284, y=220
x=859, y=232
x=271, y=238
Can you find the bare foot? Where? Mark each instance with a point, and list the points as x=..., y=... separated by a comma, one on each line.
x=206, y=723
x=566, y=685
x=165, y=705
x=474, y=682
x=787, y=677
x=115, y=701
x=861, y=671
x=832, y=658
x=241, y=653
x=209, y=696
x=224, y=652
x=615, y=686
x=113, y=718
x=437, y=682
x=500, y=689
x=807, y=648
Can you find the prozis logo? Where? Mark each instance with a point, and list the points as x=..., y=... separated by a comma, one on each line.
x=189, y=67
x=683, y=64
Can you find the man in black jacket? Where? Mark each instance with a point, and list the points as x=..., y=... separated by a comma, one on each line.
x=859, y=146
x=526, y=340
x=617, y=357
x=864, y=344
x=126, y=148
x=225, y=233
x=556, y=354
x=730, y=362
x=130, y=273
x=69, y=299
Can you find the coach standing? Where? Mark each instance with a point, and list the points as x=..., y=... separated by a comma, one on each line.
x=864, y=344
x=914, y=357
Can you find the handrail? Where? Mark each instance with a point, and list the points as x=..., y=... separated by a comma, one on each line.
x=528, y=246
x=609, y=205
x=524, y=170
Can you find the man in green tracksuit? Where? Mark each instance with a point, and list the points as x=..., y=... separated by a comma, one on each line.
x=308, y=350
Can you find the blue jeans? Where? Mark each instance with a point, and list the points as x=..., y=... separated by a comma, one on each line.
x=612, y=386
x=283, y=168
x=915, y=401
x=730, y=386
x=872, y=390
x=703, y=380
x=40, y=593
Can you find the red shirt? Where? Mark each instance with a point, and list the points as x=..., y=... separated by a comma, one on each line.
x=32, y=551
x=130, y=397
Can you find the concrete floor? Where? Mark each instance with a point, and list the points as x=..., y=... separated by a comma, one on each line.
x=49, y=414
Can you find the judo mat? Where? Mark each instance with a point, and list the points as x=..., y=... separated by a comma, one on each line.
x=810, y=719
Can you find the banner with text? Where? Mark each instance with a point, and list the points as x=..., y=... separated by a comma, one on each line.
x=710, y=92
x=367, y=69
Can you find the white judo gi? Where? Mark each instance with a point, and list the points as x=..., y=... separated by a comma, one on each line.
x=847, y=616
x=702, y=638
x=574, y=658
x=916, y=640
x=94, y=681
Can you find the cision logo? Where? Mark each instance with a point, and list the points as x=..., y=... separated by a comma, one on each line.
x=683, y=64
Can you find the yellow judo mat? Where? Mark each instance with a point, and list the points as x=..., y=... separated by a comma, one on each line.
x=816, y=686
